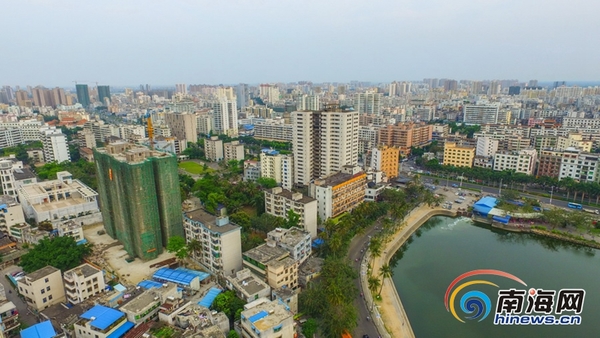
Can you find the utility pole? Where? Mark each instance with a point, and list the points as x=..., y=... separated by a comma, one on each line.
x=500, y=188
x=461, y=178
x=551, y=191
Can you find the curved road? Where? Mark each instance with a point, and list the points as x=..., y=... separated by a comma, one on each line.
x=365, y=327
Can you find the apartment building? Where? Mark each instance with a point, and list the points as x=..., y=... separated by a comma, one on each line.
x=270, y=164
x=581, y=122
x=549, y=163
x=367, y=138
x=458, y=156
x=83, y=282
x=439, y=131
x=368, y=103
x=10, y=137
x=233, y=150
x=268, y=319
x=225, y=117
x=287, y=171
x=296, y=241
x=145, y=307
x=204, y=121
x=273, y=130
x=273, y=264
x=102, y=322
x=247, y=286
x=386, y=159
x=183, y=125
x=514, y=143
x=29, y=129
x=13, y=175
x=574, y=141
x=323, y=142
x=486, y=147
x=251, y=170
x=580, y=166
x=406, y=135
x=11, y=213
x=481, y=114
x=59, y=200
x=339, y=192
x=9, y=319
x=279, y=201
x=85, y=138
x=483, y=162
x=221, y=241
x=42, y=288
x=213, y=149
x=522, y=161
x=55, y=144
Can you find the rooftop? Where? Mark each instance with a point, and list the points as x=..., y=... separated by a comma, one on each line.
x=281, y=263
x=61, y=315
x=130, y=153
x=23, y=174
x=264, y=253
x=266, y=315
x=141, y=302
x=41, y=273
x=8, y=200
x=212, y=332
x=336, y=179
x=290, y=195
x=246, y=281
x=290, y=237
x=40, y=330
x=311, y=265
x=84, y=269
x=210, y=221
x=102, y=317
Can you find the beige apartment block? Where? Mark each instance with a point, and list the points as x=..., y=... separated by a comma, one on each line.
x=213, y=148
x=42, y=288
x=279, y=201
x=233, y=150
x=83, y=282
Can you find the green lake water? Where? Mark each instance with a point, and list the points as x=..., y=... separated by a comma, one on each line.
x=444, y=248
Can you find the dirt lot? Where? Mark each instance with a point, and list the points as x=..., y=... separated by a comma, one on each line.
x=109, y=255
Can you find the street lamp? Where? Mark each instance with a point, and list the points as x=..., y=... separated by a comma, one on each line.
x=461, y=178
x=551, y=191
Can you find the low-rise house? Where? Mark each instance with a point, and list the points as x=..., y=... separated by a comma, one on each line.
x=247, y=286
x=267, y=320
x=102, y=322
x=83, y=282
x=42, y=288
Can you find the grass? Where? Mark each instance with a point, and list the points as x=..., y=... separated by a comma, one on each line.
x=194, y=168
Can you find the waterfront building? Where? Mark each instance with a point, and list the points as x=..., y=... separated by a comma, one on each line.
x=340, y=192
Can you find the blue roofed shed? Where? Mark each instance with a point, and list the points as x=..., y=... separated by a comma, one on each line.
x=201, y=274
x=119, y=332
x=102, y=317
x=209, y=298
x=41, y=330
x=179, y=277
x=484, y=206
x=149, y=284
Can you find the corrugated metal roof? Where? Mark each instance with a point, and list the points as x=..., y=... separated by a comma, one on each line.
x=175, y=276
x=41, y=330
x=207, y=300
x=258, y=316
x=103, y=316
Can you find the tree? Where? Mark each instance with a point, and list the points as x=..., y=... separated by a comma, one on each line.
x=292, y=219
x=309, y=328
x=267, y=182
x=386, y=272
x=374, y=284
x=228, y=303
x=193, y=246
x=62, y=253
x=233, y=334
x=177, y=245
x=45, y=225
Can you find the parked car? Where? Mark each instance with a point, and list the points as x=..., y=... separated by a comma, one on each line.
x=454, y=185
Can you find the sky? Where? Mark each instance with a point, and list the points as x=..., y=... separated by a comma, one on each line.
x=132, y=42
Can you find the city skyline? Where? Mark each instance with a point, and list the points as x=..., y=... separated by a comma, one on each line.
x=119, y=44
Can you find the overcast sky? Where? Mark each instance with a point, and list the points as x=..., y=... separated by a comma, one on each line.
x=132, y=42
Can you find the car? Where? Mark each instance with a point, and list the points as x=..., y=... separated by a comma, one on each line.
x=454, y=185
x=365, y=336
x=458, y=201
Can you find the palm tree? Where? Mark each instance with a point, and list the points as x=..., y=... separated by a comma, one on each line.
x=375, y=248
x=193, y=246
x=385, y=271
x=374, y=284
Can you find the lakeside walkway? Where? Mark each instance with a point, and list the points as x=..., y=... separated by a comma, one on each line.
x=389, y=314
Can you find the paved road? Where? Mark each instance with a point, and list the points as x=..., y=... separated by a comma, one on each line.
x=24, y=314
x=354, y=252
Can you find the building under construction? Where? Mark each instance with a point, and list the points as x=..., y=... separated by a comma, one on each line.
x=139, y=197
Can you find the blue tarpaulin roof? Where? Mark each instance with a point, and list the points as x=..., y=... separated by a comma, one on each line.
x=258, y=316
x=201, y=274
x=269, y=151
x=207, y=300
x=120, y=288
x=149, y=284
x=83, y=241
x=317, y=242
x=503, y=220
x=41, y=330
x=175, y=276
x=120, y=332
x=103, y=316
x=484, y=205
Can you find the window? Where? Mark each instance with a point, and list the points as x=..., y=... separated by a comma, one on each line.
x=50, y=297
x=44, y=300
x=46, y=280
x=48, y=289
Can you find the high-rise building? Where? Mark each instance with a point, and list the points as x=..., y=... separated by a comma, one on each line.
x=481, y=114
x=39, y=97
x=242, y=95
x=384, y=158
x=225, y=117
x=23, y=99
x=309, y=102
x=406, y=135
x=323, y=142
x=486, y=147
x=140, y=197
x=369, y=103
x=55, y=144
x=213, y=148
x=103, y=94
x=181, y=88
x=58, y=97
x=183, y=126
x=83, y=95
